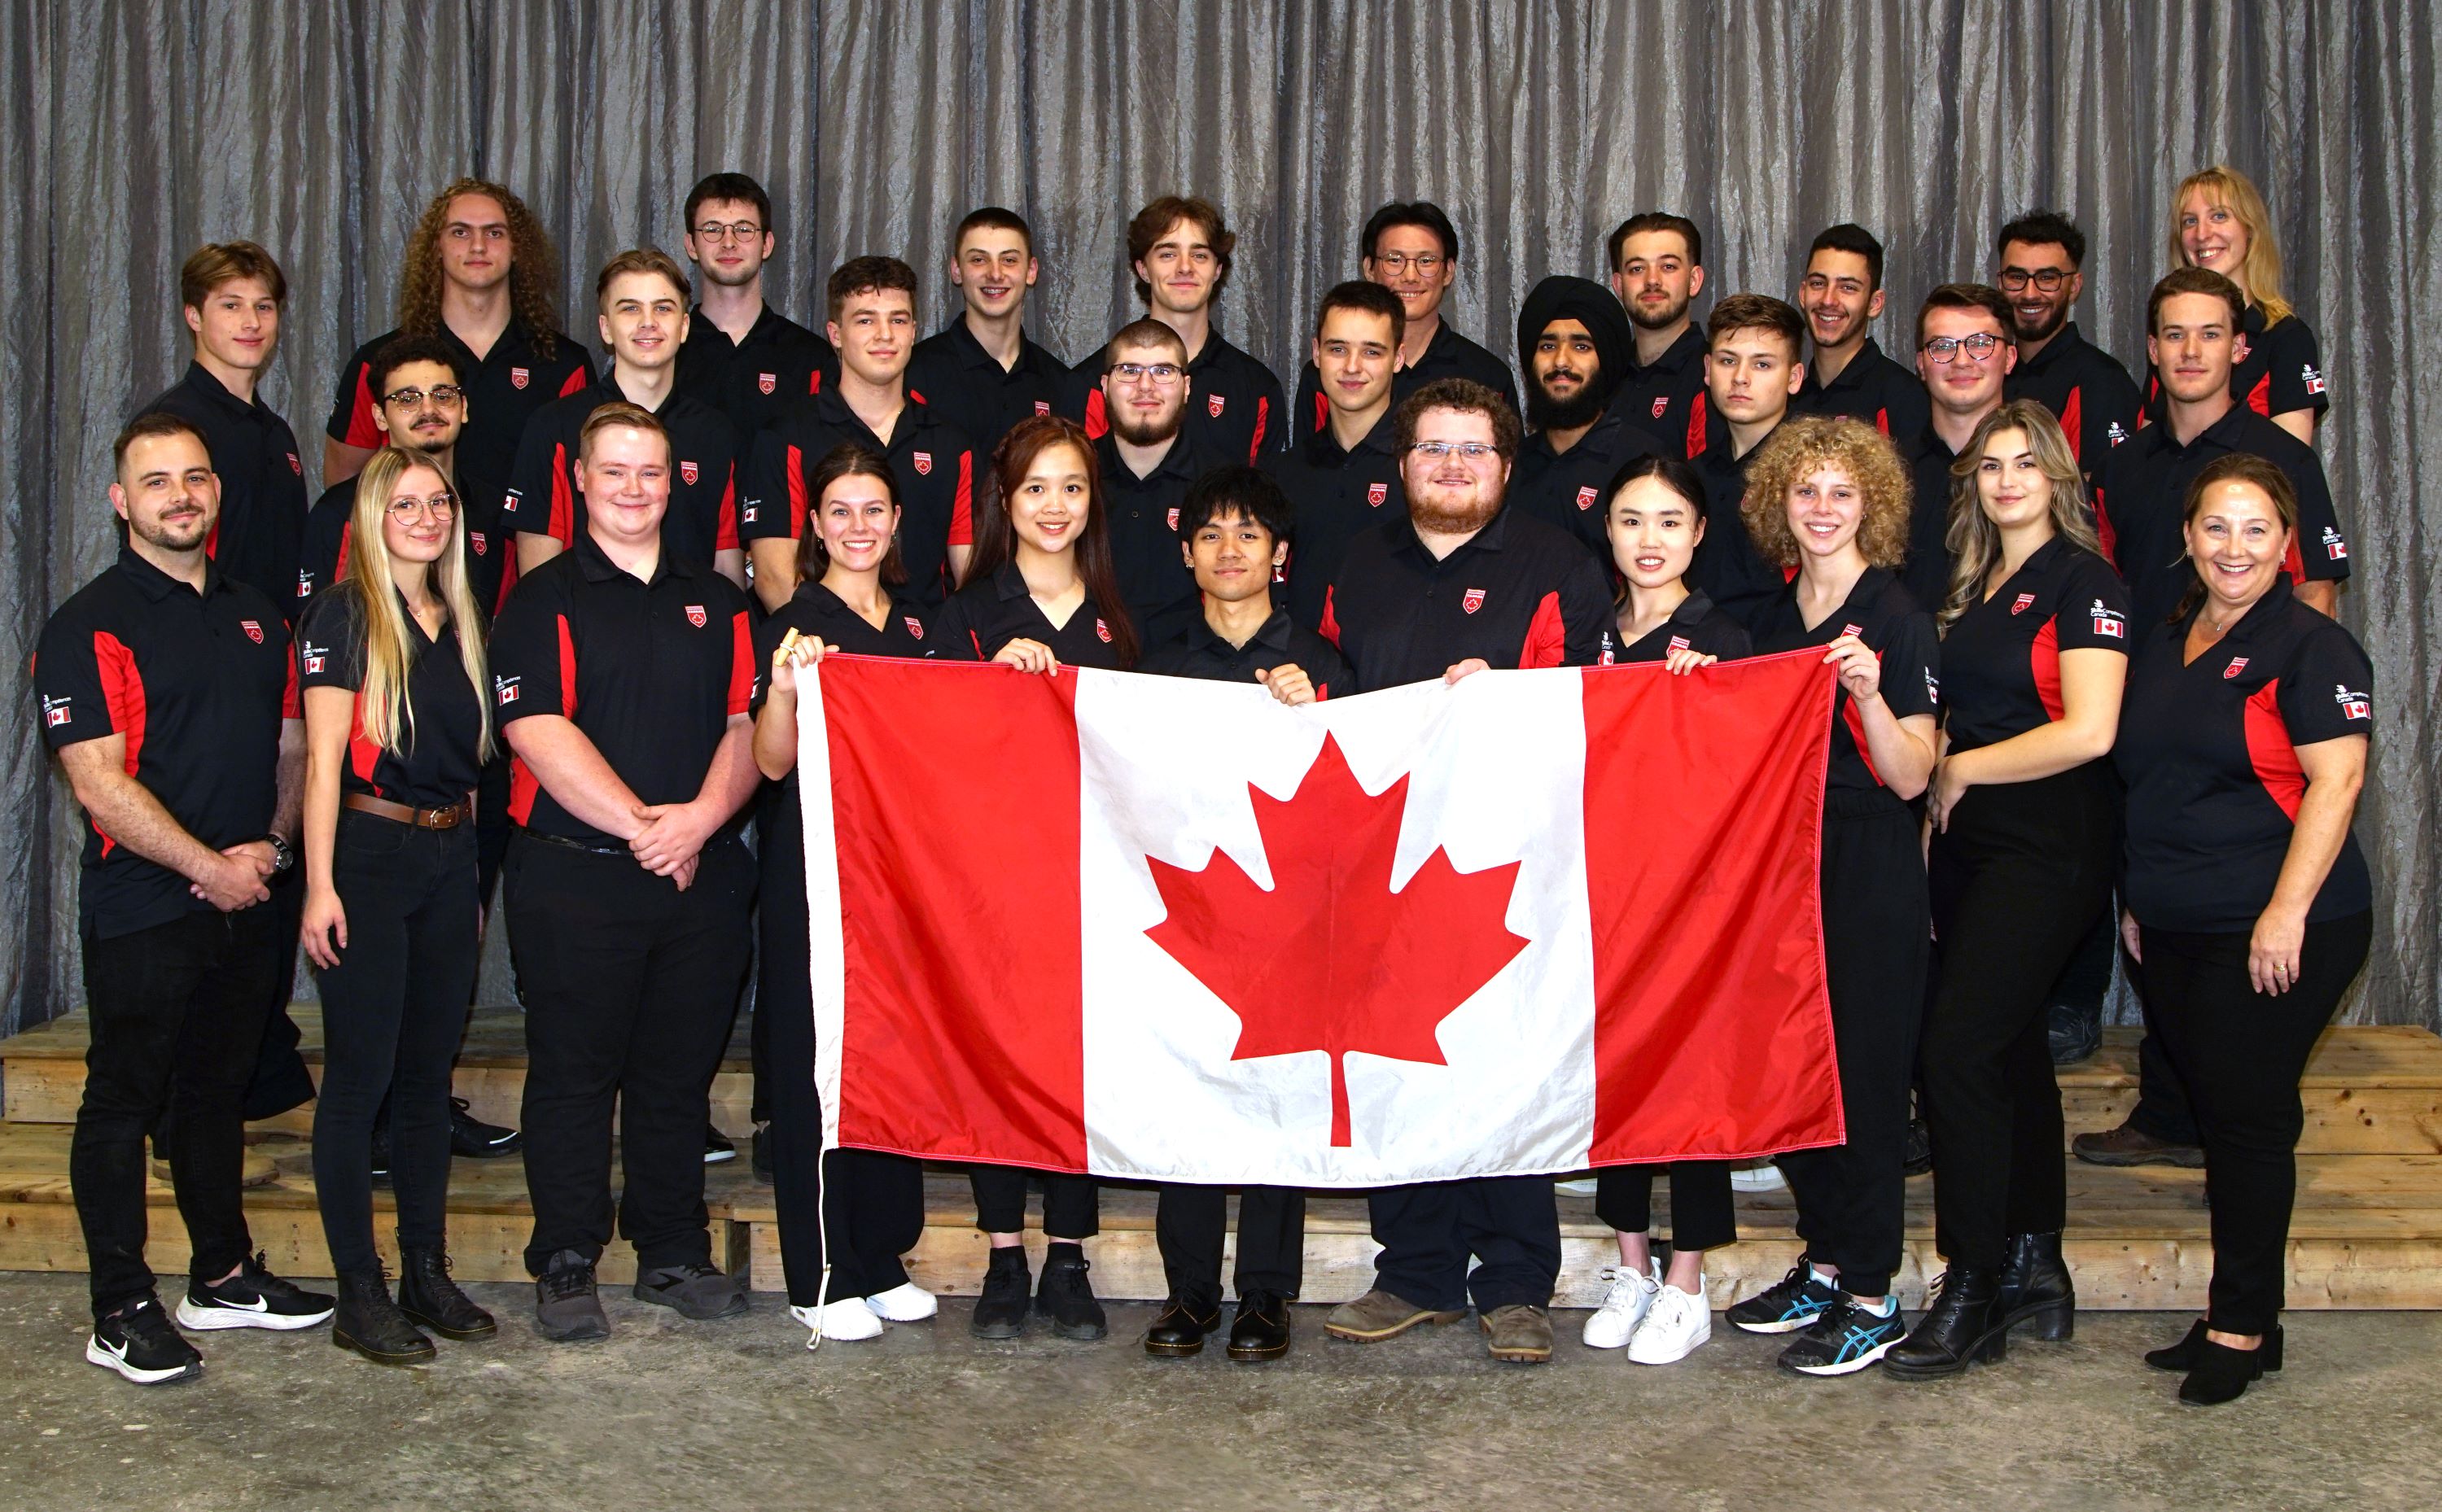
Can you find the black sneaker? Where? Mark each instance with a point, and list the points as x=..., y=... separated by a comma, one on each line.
x=762, y=1158
x=1844, y=1340
x=381, y=1161
x=254, y=1298
x=717, y=1146
x=1787, y=1305
x=1067, y=1298
x=139, y=1343
x=475, y=1139
x=567, y=1306
x=2075, y=1032
x=1007, y=1298
x=694, y=1290
x=1919, y=1157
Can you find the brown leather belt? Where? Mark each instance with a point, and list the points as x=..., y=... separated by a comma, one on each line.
x=449, y=818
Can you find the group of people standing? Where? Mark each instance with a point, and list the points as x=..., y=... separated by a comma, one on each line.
x=550, y=623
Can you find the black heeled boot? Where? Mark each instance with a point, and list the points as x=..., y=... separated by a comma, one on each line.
x=2182, y=1355
x=428, y=1295
x=2035, y=1287
x=368, y=1322
x=2222, y=1373
x=1962, y=1325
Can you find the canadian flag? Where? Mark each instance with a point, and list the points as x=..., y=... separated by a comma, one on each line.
x=1534, y=922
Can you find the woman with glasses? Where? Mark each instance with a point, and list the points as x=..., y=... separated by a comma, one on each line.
x=397, y=728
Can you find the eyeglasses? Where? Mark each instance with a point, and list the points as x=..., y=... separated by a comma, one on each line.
x=2047, y=279
x=727, y=231
x=441, y=506
x=1139, y=372
x=1472, y=452
x=1396, y=263
x=1946, y=348
x=443, y=394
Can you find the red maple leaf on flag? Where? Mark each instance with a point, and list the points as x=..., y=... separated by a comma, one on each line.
x=1330, y=959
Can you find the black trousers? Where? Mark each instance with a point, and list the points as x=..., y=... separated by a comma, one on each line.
x=280, y=1080
x=177, y=1013
x=2240, y=1054
x=392, y=1011
x=1704, y=1214
x=2163, y=1107
x=1189, y=1222
x=630, y=987
x=1510, y=1224
x=1072, y=1205
x=2015, y=881
x=1876, y=940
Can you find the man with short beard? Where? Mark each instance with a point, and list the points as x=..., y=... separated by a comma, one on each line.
x=1575, y=344
x=2085, y=387
x=1841, y=293
x=1657, y=270
x=741, y=356
x=1148, y=460
x=419, y=407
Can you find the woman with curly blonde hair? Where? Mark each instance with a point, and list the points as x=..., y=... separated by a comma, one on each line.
x=1828, y=500
x=2219, y=222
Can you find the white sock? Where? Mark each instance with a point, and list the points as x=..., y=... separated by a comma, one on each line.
x=1825, y=1278
x=1883, y=1310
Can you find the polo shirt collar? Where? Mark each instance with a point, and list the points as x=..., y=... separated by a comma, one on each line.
x=1273, y=633
x=1853, y=375
x=2265, y=612
x=598, y=567
x=1489, y=538
x=2063, y=342
x=1382, y=441
x=1692, y=609
x=158, y=585
x=1178, y=461
x=200, y=379
x=1675, y=357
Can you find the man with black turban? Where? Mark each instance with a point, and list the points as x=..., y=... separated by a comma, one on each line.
x=1574, y=345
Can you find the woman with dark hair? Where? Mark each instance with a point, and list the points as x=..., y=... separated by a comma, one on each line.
x=2025, y=815
x=1041, y=590
x=1830, y=498
x=858, y=1209
x=2243, y=743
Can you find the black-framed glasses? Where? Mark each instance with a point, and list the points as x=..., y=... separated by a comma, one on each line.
x=1394, y=264
x=2046, y=279
x=440, y=393
x=727, y=231
x=1946, y=348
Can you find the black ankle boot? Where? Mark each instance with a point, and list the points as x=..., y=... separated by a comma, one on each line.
x=428, y=1295
x=2182, y=1355
x=1961, y=1326
x=1179, y=1331
x=1067, y=1297
x=368, y=1322
x=2035, y=1287
x=2222, y=1373
x=1008, y=1297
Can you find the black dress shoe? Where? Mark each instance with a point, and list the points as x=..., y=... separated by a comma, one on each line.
x=2183, y=1356
x=428, y=1296
x=2035, y=1287
x=1262, y=1329
x=367, y=1321
x=2221, y=1374
x=1180, y=1329
x=1959, y=1328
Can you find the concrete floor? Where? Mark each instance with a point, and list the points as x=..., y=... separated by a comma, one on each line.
x=671, y=1414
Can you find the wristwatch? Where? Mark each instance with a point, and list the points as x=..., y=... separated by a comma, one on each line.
x=284, y=855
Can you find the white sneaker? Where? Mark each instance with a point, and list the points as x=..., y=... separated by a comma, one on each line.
x=906, y=1303
x=1623, y=1307
x=1762, y=1177
x=847, y=1320
x=1677, y=1324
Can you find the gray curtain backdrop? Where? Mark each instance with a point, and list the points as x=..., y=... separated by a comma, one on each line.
x=140, y=128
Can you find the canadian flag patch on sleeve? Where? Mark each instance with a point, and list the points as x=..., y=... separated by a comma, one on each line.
x=2336, y=547
x=2313, y=380
x=2354, y=705
x=2109, y=620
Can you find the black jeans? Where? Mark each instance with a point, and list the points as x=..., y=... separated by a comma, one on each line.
x=280, y=1080
x=1191, y=1222
x=2016, y=881
x=1072, y=1206
x=392, y=1011
x=2240, y=1054
x=1877, y=928
x=1704, y=1214
x=177, y=1014
x=629, y=986
x=1510, y=1224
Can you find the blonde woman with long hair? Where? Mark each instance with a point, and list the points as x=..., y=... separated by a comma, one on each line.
x=2219, y=222
x=397, y=728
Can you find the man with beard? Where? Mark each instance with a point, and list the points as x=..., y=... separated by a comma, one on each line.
x=1753, y=349
x=1411, y=249
x=1341, y=478
x=418, y=404
x=1965, y=353
x=1841, y=291
x=1455, y=585
x=1575, y=344
x=1148, y=459
x=1657, y=270
x=982, y=373
x=741, y=356
x=2084, y=386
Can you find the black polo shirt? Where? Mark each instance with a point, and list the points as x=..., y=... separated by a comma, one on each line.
x=1564, y=489
x=2208, y=749
x=1449, y=354
x=966, y=386
x=930, y=460
x=2085, y=388
x=1518, y=593
x=1200, y=652
x=544, y=499
x=263, y=482
x=1142, y=514
x=2283, y=371
x=1234, y=407
x=989, y=614
x=651, y=672
x=1337, y=495
x=1926, y=573
x=323, y=561
x=2000, y=660
x=2142, y=490
x=755, y=381
x=1696, y=625
x=503, y=390
x=1880, y=612
x=1728, y=569
x=1668, y=400
x=440, y=761
x=198, y=684
x=1884, y=393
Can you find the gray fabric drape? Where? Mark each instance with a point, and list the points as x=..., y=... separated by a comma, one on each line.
x=142, y=127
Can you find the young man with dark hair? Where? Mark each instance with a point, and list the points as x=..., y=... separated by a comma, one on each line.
x=1147, y=459
x=1755, y=346
x=1411, y=249
x=1657, y=270
x=169, y=694
x=1575, y=344
x=982, y=373
x=1342, y=477
x=641, y=312
x=741, y=356
x=871, y=302
x=1965, y=349
x=1841, y=292
x=2039, y=260
x=418, y=404
x=1179, y=250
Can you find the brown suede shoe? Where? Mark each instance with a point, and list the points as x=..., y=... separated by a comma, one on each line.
x=1380, y=1315
x=2130, y=1145
x=1518, y=1334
